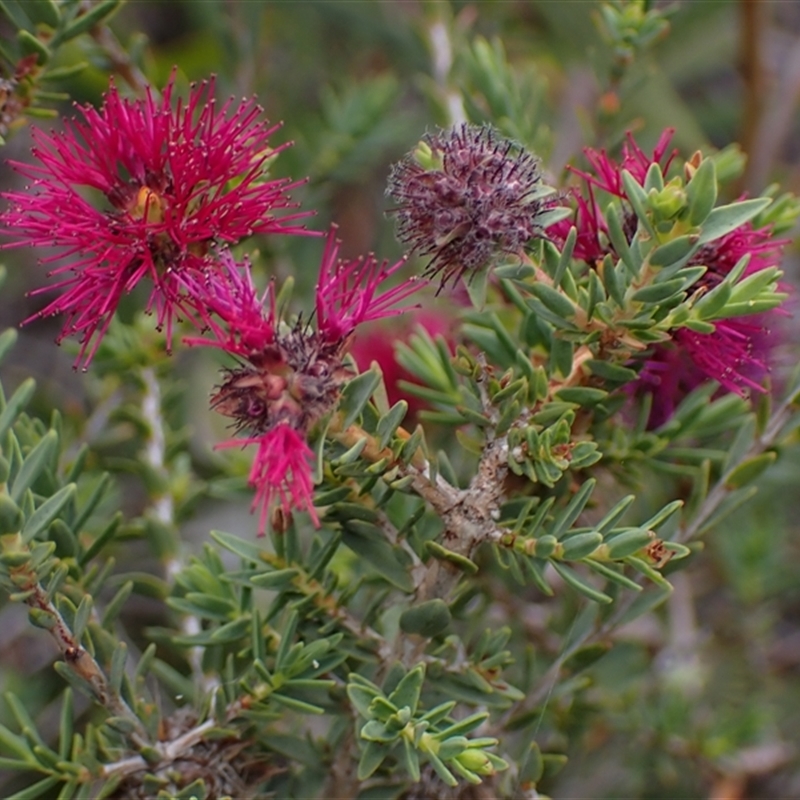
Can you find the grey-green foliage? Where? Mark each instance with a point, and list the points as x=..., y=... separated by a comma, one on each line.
x=445, y=624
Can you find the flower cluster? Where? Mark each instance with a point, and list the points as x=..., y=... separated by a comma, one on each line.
x=289, y=378
x=737, y=353
x=144, y=191
x=465, y=196
x=154, y=191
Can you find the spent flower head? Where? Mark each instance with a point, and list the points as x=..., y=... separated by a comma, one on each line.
x=289, y=377
x=466, y=196
x=142, y=190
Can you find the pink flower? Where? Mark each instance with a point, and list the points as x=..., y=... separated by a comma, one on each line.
x=346, y=291
x=242, y=322
x=592, y=242
x=288, y=378
x=737, y=354
x=607, y=173
x=281, y=470
x=141, y=191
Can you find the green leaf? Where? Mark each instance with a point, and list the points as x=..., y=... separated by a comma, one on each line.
x=408, y=690
x=82, y=617
x=372, y=756
x=16, y=403
x=752, y=286
x=361, y=696
x=584, y=657
x=714, y=302
x=374, y=549
x=66, y=724
x=612, y=574
x=17, y=745
x=613, y=281
x=356, y=395
x=747, y=471
x=464, y=726
x=476, y=288
x=388, y=424
x=553, y=300
x=734, y=500
x=119, y=659
x=565, y=257
x=579, y=585
x=46, y=11
x=553, y=763
x=441, y=770
x=532, y=766
x=94, y=16
x=36, y=790
x=627, y=543
x=640, y=565
x=247, y=550
x=231, y=631
x=409, y=759
x=33, y=465
x=659, y=292
x=30, y=44
x=442, y=553
x=701, y=192
x=573, y=509
x=619, y=240
x=580, y=545
x=47, y=512
x=644, y=603
x=16, y=15
x=11, y=520
x=724, y=219
x=296, y=704
x=582, y=395
x=672, y=252
x=8, y=339
x=114, y=606
x=741, y=444
x=638, y=199
x=426, y=619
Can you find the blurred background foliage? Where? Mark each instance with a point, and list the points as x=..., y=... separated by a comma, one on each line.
x=698, y=700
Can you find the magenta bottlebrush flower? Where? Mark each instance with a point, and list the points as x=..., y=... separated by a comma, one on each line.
x=282, y=469
x=289, y=378
x=466, y=196
x=346, y=291
x=141, y=191
x=607, y=174
x=592, y=242
x=242, y=322
x=737, y=354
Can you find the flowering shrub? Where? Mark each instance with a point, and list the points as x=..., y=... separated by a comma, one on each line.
x=417, y=609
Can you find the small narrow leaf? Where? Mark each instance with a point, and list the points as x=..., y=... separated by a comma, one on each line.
x=356, y=395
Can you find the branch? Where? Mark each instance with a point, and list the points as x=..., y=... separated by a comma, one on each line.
x=83, y=664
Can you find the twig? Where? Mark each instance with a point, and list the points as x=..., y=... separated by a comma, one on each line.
x=83, y=664
x=442, y=55
x=121, y=62
x=720, y=491
x=163, y=507
x=547, y=682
